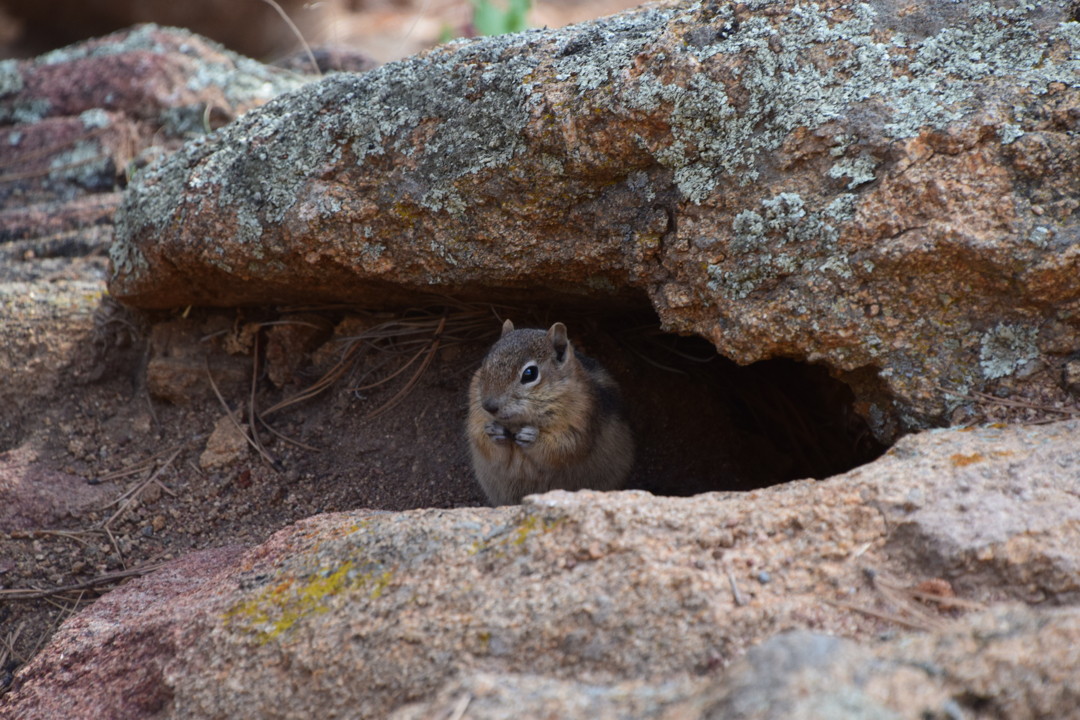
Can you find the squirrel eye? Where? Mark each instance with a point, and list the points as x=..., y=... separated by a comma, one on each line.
x=530, y=374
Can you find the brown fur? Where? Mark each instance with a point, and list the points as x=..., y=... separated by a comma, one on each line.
x=548, y=435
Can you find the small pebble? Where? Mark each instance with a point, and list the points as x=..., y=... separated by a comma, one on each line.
x=151, y=493
x=763, y=577
x=159, y=523
x=148, y=531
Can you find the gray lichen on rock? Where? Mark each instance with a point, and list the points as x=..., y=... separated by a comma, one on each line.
x=860, y=170
x=842, y=208
x=184, y=120
x=749, y=230
x=786, y=214
x=939, y=85
x=152, y=199
x=94, y=119
x=240, y=78
x=25, y=111
x=784, y=220
x=479, y=115
x=85, y=164
x=11, y=80
x=1005, y=348
x=1010, y=133
x=596, y=51
x=1040, y=237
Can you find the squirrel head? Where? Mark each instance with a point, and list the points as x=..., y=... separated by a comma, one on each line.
x=526, y=374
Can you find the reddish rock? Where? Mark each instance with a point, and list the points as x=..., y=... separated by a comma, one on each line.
x=52, y=218
x=164, y=76
x=143, y=636
x=79, y=120
x=289, y=344
x=58, y=157
x=328, y=58
x=226, y=445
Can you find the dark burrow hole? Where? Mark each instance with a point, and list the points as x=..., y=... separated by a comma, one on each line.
x=703, y=423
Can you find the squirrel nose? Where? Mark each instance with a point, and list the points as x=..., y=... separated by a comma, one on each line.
x=491, y=405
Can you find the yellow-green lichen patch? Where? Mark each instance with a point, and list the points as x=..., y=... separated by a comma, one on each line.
x=380, y=584
x=523, y=530
x=280, y=606
x=513, y=536
x=529, y=525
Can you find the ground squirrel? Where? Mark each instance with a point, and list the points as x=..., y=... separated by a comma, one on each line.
x=542, y=417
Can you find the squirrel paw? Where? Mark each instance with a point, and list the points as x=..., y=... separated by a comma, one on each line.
x=498, y=433
x=526, y=436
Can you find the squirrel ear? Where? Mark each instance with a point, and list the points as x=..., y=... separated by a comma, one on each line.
x=557, y=334
x=507, y=327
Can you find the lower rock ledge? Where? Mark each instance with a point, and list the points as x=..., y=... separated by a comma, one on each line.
x=761, y=604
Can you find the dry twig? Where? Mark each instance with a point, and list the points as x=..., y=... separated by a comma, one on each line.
x=912, y=613
x=256, y=440
x=457, y=323
x=944, y=601
x=981, y=397
x=236, y=423
x=103, y=579
x=415, y=379
x=9, y=645
x=299, y=36
x=899, y=620
x=76, y=535
x=143, y=465
x=51, y=149
x=133, y=494
x=735, y=594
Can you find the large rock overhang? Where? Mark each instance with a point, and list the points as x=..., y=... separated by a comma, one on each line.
x=883, y=188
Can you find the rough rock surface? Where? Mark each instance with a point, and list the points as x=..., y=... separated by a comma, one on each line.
x=178, y=73
x=886, y=188
x=131, y=665
x=358, y=613
x=180, y=367
x=1009, y=663
x=74, y=122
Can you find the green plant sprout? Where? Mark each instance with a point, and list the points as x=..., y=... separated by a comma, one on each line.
x=489, y=19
